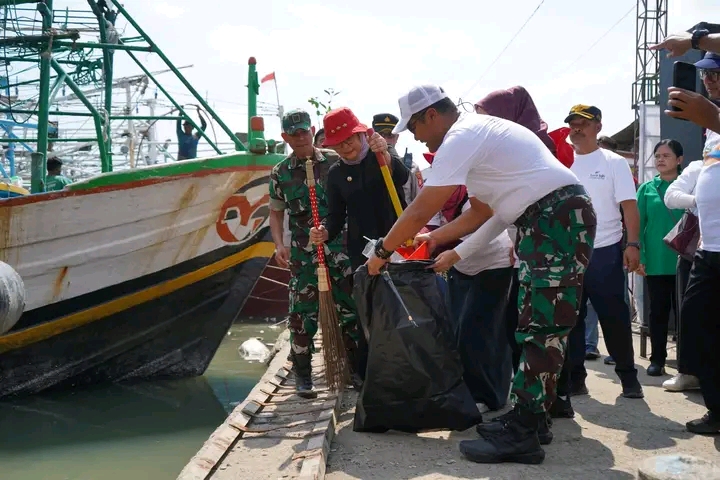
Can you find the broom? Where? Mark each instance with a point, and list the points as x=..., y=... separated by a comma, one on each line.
x=336, y=361
x=387, y=177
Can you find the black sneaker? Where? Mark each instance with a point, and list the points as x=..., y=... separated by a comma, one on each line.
x=592, y=354
x=304, y=388
x=545, y=436
x=356, y=381
x=609, y=360
x=709, y=424
x=578, y=390
x=561, y=408
x=516, y=441
x=655, y=370
x=632, y=389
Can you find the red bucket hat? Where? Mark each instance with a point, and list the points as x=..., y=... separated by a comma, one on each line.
x=340, y=124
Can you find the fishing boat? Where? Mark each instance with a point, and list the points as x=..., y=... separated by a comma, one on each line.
x=129, y=274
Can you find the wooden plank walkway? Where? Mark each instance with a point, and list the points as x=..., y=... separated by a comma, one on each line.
x=273, y=433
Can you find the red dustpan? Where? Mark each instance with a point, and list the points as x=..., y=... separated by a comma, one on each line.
x=411, y=253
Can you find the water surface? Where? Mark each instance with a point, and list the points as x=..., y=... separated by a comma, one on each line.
x=143, y=431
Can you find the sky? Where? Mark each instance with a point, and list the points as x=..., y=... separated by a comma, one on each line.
x=373, y=52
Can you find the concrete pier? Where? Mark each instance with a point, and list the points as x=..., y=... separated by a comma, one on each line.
x=273, y=433
x=611, y=438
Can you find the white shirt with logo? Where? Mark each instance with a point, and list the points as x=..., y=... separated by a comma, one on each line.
x=503, y=164
x=608, y=180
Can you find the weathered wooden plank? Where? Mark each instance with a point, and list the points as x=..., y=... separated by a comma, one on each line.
x=201, y=466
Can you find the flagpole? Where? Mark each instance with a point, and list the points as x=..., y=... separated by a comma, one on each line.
x=277, y=96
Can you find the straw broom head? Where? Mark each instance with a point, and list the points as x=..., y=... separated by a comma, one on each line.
x=333, y=346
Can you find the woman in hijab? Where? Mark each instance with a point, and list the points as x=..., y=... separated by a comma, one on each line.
x=516, y=104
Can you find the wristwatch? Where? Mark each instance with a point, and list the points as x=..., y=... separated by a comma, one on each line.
x=697, y=35
x=633, y=244
x=380, y=251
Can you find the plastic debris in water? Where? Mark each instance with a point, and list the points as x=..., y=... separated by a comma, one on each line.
x=254, y=350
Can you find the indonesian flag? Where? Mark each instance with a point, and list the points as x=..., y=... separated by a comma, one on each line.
x=268, y=77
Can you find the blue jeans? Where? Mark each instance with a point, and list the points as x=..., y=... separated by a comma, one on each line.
x=591, y=329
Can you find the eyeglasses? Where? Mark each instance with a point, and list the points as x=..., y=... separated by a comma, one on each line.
x=344, y=144
x=416, y=118
x=712, y=75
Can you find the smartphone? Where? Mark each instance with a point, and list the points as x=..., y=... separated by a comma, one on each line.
x=684, y=76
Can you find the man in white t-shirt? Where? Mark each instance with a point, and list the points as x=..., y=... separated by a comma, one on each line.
x=511, y=178
x=607, y=178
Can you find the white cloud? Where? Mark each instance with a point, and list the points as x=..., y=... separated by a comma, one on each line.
x=168, y=10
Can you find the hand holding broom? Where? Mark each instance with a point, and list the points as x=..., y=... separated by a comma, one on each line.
x=333, y=346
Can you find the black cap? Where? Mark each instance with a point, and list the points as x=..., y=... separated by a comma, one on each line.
x=384, y=122
x=584, y=111
x=54, y=163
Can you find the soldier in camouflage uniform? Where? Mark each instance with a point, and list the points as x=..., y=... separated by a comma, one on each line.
x=289, y=193
x=512, y=178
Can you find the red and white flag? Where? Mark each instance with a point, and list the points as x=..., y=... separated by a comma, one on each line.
x=268, y=77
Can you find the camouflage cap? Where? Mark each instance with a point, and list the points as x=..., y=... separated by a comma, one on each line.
x=296, y=120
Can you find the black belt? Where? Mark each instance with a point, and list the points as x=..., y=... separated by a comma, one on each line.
x=562, y=193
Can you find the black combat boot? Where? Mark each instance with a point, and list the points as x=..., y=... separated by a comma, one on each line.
x=561, y=408
x=353, y=357
x=303, y=375
x=545, y=436
x=516, y=441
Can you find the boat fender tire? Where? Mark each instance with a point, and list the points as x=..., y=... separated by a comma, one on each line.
x=12, y=297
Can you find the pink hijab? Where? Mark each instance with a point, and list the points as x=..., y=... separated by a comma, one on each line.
x=516, y=104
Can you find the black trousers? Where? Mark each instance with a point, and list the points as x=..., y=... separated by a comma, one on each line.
x=478, y=304
x=687, y=334
x=604, y=286
x=700, y=305
x=661, y=290
x=511, y=320
x=361, y=354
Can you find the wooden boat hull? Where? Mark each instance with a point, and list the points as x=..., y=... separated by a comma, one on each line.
x=270, y=297
x=135, y=274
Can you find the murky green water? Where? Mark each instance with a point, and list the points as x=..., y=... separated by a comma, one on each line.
x=146, y=431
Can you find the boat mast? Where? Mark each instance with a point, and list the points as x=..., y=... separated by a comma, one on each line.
x=253, y=88
x=38, y=160
x=58, y=58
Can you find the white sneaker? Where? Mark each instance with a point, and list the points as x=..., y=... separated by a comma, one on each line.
x=681, y=382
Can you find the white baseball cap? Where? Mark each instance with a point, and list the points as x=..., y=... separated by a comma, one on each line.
x=416, y=100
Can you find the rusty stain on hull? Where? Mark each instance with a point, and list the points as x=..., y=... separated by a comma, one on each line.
x=5, y=232
x=58, y=285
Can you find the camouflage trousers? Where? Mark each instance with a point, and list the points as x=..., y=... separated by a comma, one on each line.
x=305, y=301
x=554, y=243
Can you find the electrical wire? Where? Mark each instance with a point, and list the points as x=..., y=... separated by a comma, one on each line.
x=504, y=49
x=602, y=37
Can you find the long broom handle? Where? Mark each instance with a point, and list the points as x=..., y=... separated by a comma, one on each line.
x=382, y=159
x=314, y=206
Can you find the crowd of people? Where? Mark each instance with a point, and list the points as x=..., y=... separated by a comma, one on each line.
x=537, y=245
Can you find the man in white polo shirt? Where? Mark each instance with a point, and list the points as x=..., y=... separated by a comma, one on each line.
x=511, y=178
x=607, y=178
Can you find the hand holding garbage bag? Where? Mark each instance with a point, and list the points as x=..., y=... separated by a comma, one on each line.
x=414, y=378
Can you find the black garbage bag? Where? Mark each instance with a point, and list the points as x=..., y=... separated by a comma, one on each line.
x=414, y=378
